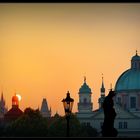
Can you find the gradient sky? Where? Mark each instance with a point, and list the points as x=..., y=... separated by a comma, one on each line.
x=47, y=49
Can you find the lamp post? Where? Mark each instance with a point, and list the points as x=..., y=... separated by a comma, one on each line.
x=68, y=104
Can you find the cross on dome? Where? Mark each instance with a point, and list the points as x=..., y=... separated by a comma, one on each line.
x=84, y=79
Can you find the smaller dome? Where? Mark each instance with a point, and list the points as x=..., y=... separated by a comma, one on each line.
x=85, y=89
x=14, y=98
x=15, y=101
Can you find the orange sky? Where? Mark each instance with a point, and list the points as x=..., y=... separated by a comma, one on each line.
x=47, y=49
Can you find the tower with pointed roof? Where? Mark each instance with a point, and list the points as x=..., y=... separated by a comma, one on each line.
x=3, y=109
x=44, y=109
x=102, y=96
x=85, y=104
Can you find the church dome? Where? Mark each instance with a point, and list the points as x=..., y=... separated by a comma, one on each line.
x=130, y=79
x=85, y=88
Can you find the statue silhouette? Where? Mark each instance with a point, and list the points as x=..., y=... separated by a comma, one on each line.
x=108, y=129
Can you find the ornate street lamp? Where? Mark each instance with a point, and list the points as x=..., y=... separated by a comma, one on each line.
x=68, y=104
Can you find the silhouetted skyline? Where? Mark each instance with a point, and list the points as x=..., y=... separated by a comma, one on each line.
x=47, y=49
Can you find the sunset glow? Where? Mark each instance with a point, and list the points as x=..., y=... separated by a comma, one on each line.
x=47, y=49
x=19, y=97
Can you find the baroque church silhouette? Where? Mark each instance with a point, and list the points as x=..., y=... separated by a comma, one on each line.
x=126, y=103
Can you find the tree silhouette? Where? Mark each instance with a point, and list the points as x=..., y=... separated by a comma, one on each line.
x=58, y=128
x=30, y=124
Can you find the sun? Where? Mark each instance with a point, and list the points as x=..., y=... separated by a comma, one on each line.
x=19, y=97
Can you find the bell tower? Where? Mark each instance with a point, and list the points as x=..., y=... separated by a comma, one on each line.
x=85, y=104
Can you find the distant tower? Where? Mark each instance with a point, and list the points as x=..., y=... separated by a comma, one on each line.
x=44, y=109
x=102, y=97
x=14, y=112
x=85, y=104
x=3, y=109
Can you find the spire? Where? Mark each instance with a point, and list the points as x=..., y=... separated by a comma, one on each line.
x=2, y=96
x=2, y=104
x=101, y=99
x=102, y=87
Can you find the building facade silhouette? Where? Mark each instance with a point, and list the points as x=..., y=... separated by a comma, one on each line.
x=126, y=103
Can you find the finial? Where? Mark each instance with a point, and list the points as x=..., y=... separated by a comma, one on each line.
x=68, y=93
x=15, y=91
x=84, y=79
x=136, y=52
x=102, y=76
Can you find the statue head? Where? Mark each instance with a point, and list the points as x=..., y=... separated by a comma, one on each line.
x=111, y=93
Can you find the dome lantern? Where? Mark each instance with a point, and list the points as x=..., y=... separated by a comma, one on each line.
x=135, y=62
x=15, y=101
